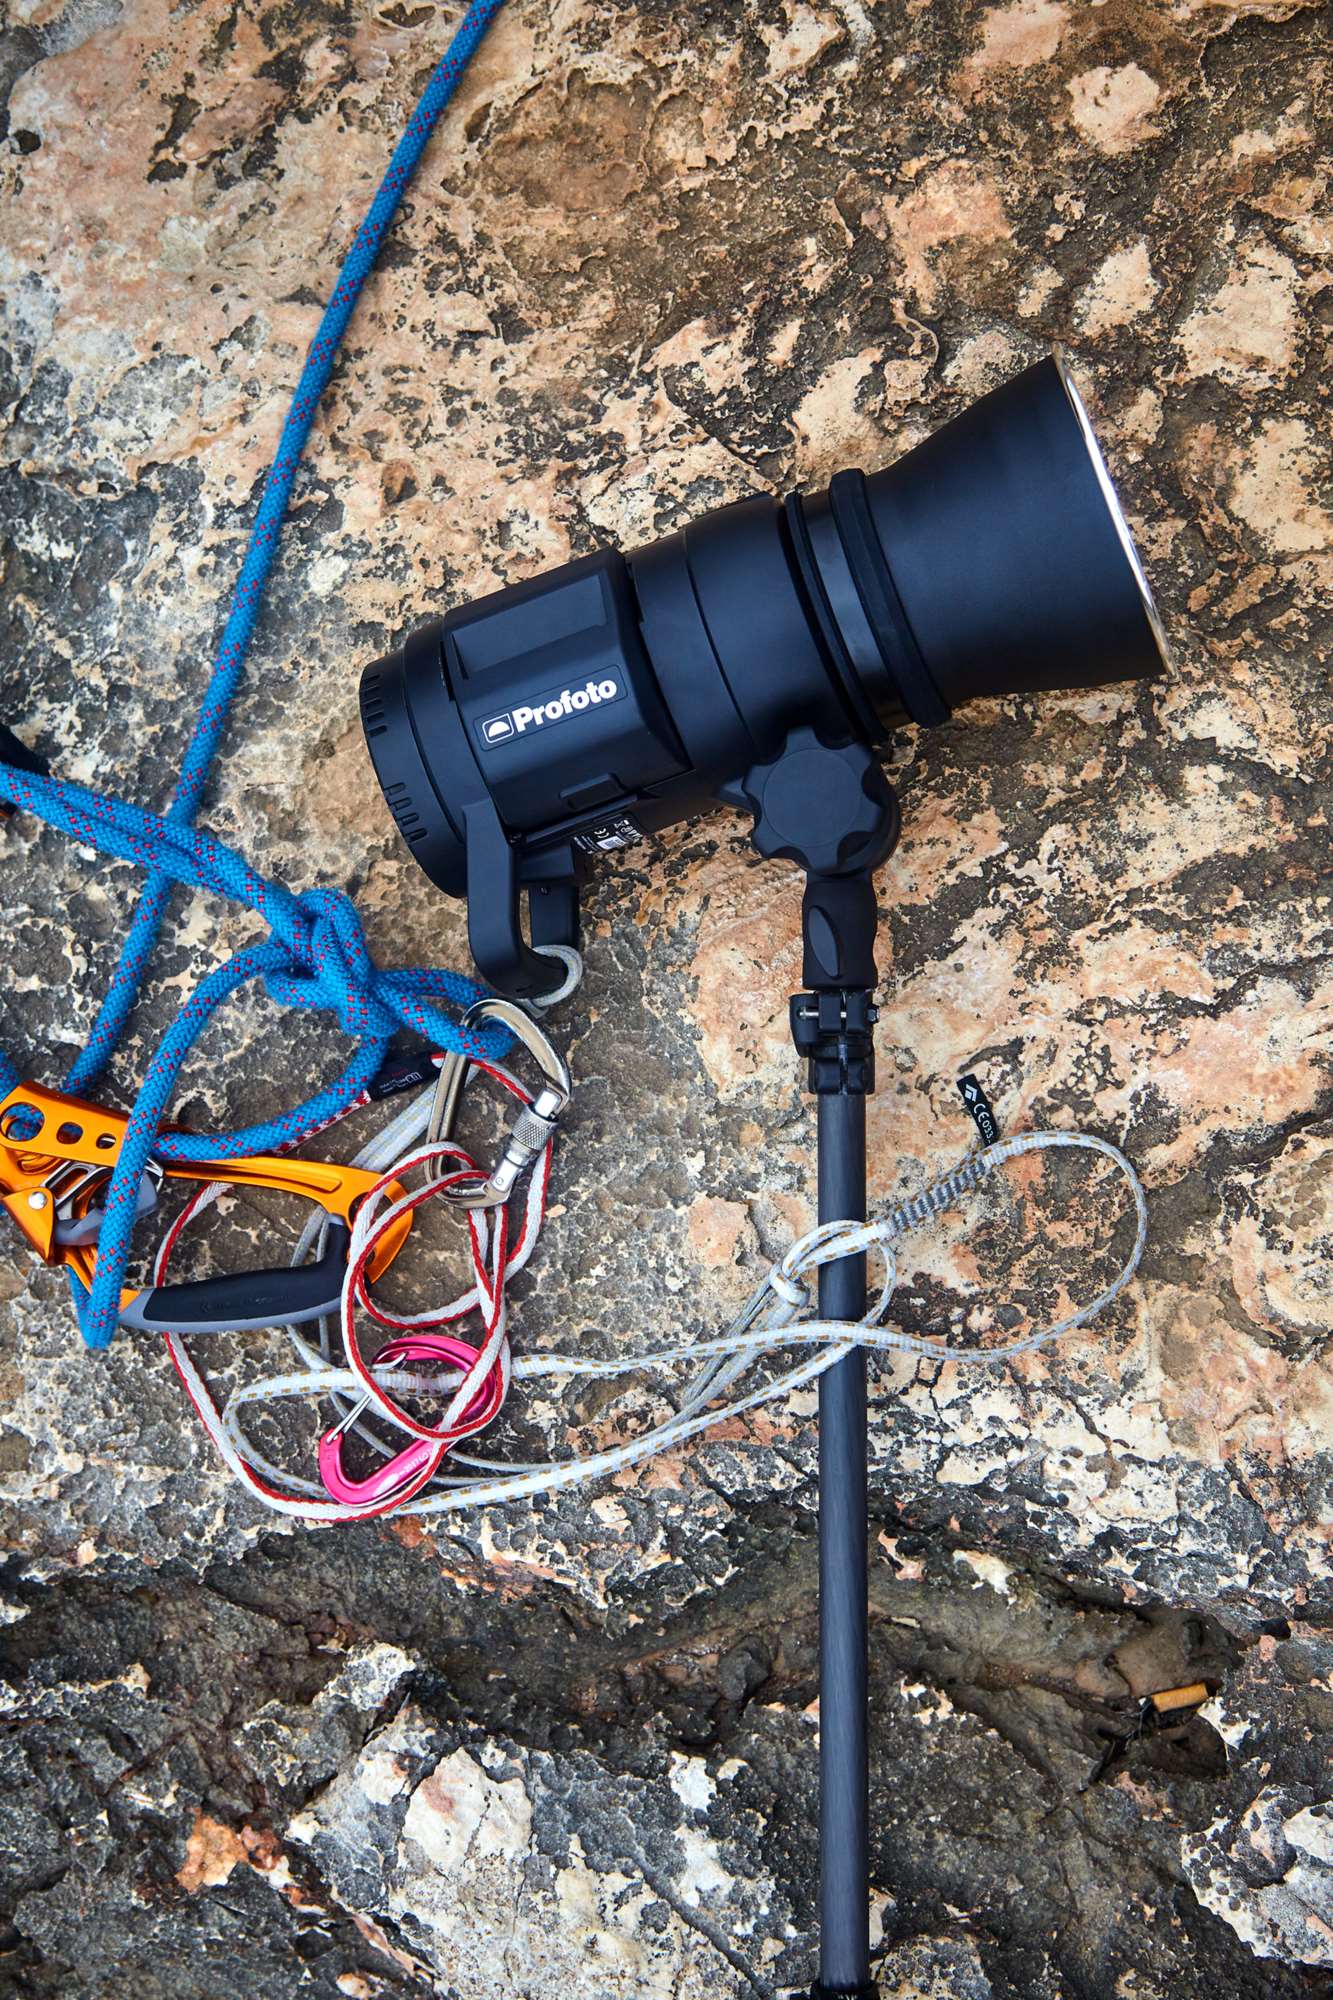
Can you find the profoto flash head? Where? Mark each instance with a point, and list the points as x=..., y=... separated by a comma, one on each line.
x=576, y=712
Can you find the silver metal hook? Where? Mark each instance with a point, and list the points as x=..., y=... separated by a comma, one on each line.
x=534, y=1124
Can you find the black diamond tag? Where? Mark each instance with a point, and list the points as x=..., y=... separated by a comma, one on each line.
x=977, y=1102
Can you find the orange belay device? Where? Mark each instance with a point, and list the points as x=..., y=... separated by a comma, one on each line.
x=56, y=1156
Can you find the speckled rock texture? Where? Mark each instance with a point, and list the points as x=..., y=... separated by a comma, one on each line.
x=660, y=257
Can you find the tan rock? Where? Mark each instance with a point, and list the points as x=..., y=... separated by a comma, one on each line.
x=1017, y=36
x=1113, y=108
x=1249, y=328
x=1122, y=289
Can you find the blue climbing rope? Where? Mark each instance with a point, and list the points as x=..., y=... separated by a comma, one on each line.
x=316, y=954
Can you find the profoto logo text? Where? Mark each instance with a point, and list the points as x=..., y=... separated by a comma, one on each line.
x=548, y=708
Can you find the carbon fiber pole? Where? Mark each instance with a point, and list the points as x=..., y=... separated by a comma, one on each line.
x=833, y=1029
x=829, y=807
x=844, y=1829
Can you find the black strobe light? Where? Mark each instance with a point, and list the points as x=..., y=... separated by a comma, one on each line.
x=761, y=656
x=577, y=711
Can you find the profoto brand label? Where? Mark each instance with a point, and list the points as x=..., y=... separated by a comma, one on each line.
x=526, y=718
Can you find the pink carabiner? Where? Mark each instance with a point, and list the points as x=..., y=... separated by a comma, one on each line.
x=423, y=1454
x=395, y=1472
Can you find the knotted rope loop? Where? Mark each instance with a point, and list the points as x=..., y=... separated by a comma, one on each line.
x=315, y=956
x=330, y=967
x=788, y=1287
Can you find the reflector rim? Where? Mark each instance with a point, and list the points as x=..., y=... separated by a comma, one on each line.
x=1113, y=507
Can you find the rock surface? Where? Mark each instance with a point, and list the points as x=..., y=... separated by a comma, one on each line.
x=657, y=259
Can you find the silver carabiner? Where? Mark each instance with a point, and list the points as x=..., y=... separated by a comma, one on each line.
x=533, y=1126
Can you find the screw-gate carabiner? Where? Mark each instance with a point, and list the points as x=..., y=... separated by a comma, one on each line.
x=532, y=1128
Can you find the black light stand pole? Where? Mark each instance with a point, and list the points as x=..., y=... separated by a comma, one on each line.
x=829, y=807
x=832, y=1027
x=844, y=1831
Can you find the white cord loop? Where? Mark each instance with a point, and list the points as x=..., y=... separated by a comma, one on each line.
x=573, y=964
x=767, y=1326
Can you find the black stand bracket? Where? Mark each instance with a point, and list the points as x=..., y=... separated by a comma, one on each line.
x=828, y=807
x=833, y=1031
